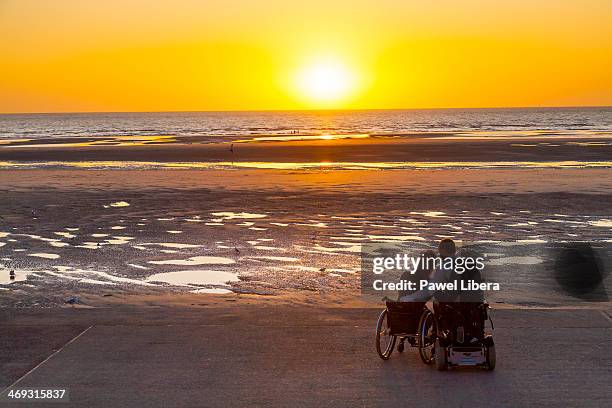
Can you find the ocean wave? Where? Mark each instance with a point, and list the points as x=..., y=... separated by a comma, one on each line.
x=247, y=123
x=139, y=165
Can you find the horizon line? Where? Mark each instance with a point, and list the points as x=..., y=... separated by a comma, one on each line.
x=303, y=110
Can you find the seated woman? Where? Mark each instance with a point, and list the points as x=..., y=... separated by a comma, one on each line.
x=446, y=249
x=421, y=273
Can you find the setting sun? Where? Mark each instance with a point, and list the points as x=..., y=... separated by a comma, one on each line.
x=325, y=81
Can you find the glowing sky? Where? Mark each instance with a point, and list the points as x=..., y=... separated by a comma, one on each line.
x=137, y=55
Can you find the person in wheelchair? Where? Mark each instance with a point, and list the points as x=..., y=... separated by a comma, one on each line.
x=460, y=315
x=423, y=272
x=453, y=334
x=446, y=249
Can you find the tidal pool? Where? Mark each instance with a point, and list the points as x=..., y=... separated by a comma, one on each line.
x=194, y=277
x=196, y=260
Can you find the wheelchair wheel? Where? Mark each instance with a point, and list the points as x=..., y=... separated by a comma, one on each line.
x=385, y=341
x=440, y=356
x=490, y=349
x=426, y=337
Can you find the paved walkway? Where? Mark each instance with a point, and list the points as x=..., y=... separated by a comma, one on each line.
x=294, y=357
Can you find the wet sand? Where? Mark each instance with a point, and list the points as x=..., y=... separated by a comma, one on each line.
x=276, y=218
x=330, y=148
x=402, y=182
x=158, y=237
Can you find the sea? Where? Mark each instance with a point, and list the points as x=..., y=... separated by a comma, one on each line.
x=218, y=126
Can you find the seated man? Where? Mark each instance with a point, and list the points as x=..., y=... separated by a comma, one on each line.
x=470, y=310
x=454, y=309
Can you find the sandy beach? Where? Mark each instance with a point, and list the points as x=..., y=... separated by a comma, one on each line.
x=108, y=234
x=307, y=148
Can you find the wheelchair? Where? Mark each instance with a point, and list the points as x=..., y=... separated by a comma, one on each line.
x=400, y=321
x=455, y=335
x=452, y=335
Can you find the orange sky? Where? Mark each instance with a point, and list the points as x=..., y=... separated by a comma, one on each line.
x=137, y=55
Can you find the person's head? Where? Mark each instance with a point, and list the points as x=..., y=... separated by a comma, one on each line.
x=447, y=248
x=427, y=267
